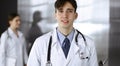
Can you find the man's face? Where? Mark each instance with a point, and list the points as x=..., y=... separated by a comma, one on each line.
x=65, y=16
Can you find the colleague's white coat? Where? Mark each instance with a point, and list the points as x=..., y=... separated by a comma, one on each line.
x=38, y=55
x=12, y=49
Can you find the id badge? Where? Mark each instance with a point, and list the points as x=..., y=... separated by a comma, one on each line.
x=48, y=64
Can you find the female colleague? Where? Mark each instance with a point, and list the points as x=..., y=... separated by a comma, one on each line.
x=13, y=45
x=65, y=46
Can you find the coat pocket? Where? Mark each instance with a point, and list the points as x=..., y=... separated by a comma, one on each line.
x=10, y=61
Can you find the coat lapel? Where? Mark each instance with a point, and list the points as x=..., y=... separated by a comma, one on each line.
x=75, y=48
x=57, y=54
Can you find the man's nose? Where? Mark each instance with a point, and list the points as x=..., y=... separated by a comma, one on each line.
x=65, y=14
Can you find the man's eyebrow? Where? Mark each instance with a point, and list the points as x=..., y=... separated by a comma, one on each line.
x=70, y=9
x=60, y=8
x=67, y=9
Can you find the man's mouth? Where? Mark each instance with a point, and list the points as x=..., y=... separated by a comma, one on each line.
x=65, y=21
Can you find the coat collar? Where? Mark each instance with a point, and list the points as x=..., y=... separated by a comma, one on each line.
x=54, y=39
x=12, y=34
x=80, y=42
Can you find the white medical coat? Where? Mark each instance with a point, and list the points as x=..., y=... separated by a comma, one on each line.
x=12, y=49
x=38, y=55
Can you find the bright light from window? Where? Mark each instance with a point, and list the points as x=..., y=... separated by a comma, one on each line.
x=84, y=10
x=35, y=2
x=84, y=13
x=84, y=2
x=90, y=28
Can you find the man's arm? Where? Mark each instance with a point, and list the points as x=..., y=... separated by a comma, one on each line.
x=33, y=59
x=93, y=58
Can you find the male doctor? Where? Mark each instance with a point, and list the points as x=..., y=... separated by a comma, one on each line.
x=65, y=46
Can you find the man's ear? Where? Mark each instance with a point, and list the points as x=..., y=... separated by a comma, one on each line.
x=55, y=15
x=76, y=15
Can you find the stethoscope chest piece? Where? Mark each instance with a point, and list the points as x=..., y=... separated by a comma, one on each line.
x=84, y=55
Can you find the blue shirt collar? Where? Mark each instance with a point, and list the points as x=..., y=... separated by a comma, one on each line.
x=61, y=37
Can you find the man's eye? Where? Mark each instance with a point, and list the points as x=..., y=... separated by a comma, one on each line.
x=70, y=11
x=60, y=11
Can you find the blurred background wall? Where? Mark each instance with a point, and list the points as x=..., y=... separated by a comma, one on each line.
x=114, y=41
x=6, y=7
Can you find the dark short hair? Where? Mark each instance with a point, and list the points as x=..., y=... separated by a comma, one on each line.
x=61, y=3
x=11, y=16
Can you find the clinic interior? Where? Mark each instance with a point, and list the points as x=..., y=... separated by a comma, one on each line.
x=98, y=19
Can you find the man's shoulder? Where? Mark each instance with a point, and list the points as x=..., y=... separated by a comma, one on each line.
x=90, y=41
x=43, y=40
x=88, y=38
x=44, y=36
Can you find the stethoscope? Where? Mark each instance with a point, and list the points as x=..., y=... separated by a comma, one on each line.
x=49, y=48
x=8, y=34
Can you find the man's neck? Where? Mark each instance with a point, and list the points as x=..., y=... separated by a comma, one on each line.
x=65, y=31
